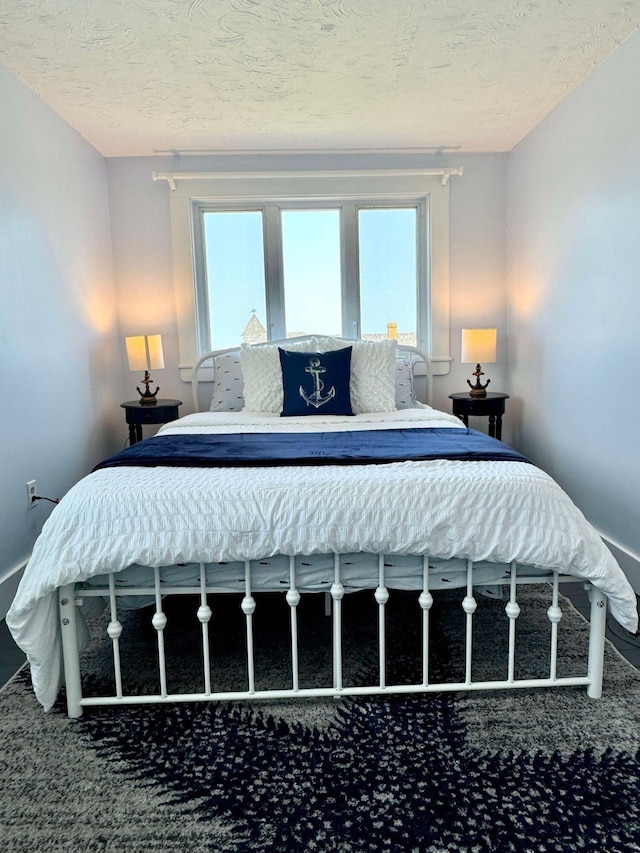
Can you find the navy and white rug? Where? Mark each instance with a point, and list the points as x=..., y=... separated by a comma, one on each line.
x=525, y=771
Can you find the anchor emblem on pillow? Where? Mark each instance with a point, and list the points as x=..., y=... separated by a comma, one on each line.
x=315, y=398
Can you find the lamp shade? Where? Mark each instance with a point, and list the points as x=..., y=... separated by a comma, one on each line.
x=144, y=352
x=478, y=346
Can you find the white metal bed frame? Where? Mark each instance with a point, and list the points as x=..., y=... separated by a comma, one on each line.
x=72, y=596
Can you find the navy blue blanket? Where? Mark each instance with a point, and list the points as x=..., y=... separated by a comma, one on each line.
x=375, y=446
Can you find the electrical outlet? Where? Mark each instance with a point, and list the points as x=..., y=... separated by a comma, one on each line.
x=31, y=493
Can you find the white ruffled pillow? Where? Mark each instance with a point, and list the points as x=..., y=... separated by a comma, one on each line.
x=262, y=374
x=373, y=372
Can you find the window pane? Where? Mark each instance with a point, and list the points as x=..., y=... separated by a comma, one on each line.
x=388, y=273
x=234, y=258
x=311, y=266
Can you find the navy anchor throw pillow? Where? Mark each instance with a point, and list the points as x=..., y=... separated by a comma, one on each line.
x=316, y=383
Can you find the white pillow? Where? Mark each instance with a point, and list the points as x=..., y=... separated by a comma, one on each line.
x=373, y=374
x=228, y=390
x=373, y=365
x=262, y=374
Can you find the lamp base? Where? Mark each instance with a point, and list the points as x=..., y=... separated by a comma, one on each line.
x=147, y=398
x=478, y=390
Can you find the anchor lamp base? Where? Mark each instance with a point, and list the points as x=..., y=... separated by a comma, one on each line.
x=147, y=397
x=478, y=390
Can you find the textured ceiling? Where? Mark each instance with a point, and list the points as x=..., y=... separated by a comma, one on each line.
x=143, y=76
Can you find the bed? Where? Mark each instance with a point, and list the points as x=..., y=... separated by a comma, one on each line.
x=314, y=469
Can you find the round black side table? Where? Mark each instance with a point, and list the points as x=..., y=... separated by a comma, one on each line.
x=136, y=415
x=492, y=405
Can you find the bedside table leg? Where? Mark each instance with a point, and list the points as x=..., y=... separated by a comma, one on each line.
x=492, y=426
x=135, y=433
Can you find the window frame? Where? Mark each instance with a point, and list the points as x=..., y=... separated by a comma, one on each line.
x=429, y=192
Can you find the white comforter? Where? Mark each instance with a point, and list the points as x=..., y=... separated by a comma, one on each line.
x=497, y=511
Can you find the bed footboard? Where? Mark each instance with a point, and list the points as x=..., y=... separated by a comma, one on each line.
x=70, y=598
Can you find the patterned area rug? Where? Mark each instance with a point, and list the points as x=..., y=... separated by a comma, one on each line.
x=522, y=771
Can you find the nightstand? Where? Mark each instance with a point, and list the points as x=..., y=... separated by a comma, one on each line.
x=492, y=406
x=137, y=415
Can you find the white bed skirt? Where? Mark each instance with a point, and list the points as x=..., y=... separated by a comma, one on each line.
x=314, y=573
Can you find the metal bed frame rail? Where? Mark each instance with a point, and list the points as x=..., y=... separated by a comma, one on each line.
x=70, y=598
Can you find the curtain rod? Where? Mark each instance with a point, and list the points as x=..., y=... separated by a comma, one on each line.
x=172, y=177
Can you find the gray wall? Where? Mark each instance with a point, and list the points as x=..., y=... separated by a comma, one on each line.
x=58, y=323
x=574, y=295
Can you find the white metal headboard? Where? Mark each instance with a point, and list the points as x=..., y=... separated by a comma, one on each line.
x=419, y=356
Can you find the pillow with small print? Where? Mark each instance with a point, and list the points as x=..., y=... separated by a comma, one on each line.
x=228, y=391
x=316, y=383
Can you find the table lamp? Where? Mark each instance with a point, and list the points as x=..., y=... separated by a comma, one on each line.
x=478, y=345
x=144, y=352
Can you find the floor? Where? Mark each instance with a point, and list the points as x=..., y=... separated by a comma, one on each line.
x=11, y=658
x=626, y=643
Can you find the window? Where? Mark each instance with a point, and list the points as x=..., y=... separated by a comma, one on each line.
x=311, y=271
x=306, y=285
x=388, y=271
x=267, y=256
x=233, y=285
